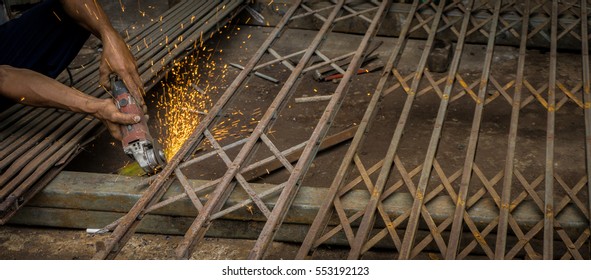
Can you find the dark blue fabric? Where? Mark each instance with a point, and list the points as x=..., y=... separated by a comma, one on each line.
x=44, y=39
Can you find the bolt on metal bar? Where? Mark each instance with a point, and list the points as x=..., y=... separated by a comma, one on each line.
x=127, y=226
x=223, y=190
x=293, y=183
x=513, y=127
x=325, y=212
x=550, y=135
x=473, y=142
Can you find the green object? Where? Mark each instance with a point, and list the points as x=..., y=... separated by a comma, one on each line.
x=132, y=169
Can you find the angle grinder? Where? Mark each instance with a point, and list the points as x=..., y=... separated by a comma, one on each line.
x=137, y=141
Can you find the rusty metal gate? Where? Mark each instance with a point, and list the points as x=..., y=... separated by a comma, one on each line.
x=418, y=227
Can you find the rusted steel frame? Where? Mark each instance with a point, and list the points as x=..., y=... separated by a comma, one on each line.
x=513, y=128
x=218, y=197
x=418, y=202
x=254, y=170
x=550, y=135
x=259, y=168
x=354, y=13
x=241, y=180
x=586, y=98
x=153, y=193
x=62, y=148
x=325, y=212
x=294, y=182
x=369, y=217
x=332, y=64
x=456, y=229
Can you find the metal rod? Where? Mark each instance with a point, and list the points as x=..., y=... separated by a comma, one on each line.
x=550, y=135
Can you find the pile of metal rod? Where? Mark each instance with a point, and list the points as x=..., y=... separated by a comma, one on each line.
x=36, y=143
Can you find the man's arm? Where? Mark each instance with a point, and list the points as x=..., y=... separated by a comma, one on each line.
x=116, y=55
x=31, y=88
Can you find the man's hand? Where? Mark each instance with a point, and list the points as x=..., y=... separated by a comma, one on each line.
x=106, y=111
x=118, y=59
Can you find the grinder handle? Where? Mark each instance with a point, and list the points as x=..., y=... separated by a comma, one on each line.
x=127, y=104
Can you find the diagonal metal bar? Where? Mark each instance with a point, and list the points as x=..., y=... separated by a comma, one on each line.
x=188, y=189
x=550, y=135
x=128, y=224
x=223, y=190
x=510, y=158
x=294, y=182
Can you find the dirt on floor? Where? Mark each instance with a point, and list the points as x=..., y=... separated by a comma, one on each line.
x=27, y=243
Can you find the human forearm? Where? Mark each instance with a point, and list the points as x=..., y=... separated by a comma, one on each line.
x=31, y=88
x=90, y=15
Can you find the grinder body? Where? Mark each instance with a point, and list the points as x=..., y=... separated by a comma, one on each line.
x=137, y=141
